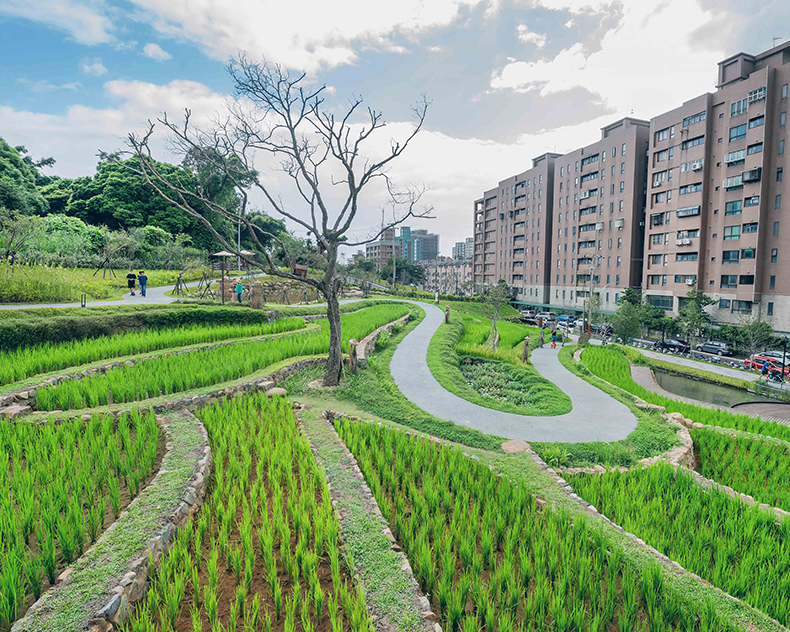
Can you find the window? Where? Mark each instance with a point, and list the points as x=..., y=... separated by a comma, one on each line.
x=589, y=160
x=776, y=229
x=622, y=185
x=778, y=201
x=690, y=188
x=733, y=182
x=654, y=279
x=688, y=234
x=732, y=232
x=686, y=256
x=724, y=303
x=733, y=208
x=662, y=302
x=772, y=282
x=622, y=150
x=738, y=107
x=774, y=254
x=735, y=157
x=693, y=142
x=780, y=146
x=747, y=253
x=758, y=121
x=746, y=279
x=688, y=279
x=730, y=256
x=737, y=132
x=742, y=307
x=662, y=134
x=754, y=149
x=696, y=118
x=784, y=91
x=729, y=281
x=622, y=167
x=688, y=211
x=756, y=95
x=770, y=308
x=752, y=201
x=782, y=119
x=657, y=238
x=749, y=228
x=779, y=174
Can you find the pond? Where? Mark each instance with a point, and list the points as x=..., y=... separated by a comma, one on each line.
x=705, y=392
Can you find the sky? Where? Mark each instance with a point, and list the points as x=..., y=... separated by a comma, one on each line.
x=507, y=80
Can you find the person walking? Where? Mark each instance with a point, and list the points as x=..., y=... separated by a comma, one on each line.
x=142, y=281
x=130, y=281
x=554, y=339
x=239, y=290
x=542, y=336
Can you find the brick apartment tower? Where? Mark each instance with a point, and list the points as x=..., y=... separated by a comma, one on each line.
x=716, y=194
x=598, y=224
x=512, y=224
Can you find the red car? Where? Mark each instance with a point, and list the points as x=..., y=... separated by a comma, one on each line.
x=774, y=359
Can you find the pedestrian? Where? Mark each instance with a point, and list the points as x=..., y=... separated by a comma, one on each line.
x=130, y=280
x=142, y=281
x=239, y=290
x=542, y=336
x=554, y=339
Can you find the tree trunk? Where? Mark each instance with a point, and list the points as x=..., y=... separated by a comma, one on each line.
x=334, y=363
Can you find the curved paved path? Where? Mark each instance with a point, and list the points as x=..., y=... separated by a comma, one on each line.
x=595, y=415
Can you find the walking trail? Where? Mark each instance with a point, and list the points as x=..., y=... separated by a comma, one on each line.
x=595, y=415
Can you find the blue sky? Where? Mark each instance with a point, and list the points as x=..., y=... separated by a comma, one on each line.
x=507, y=79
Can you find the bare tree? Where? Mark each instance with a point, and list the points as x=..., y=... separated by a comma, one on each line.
x=280, y=114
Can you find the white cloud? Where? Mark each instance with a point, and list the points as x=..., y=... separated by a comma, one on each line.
x=93, y=67
x=323, y=34
x=648, y=63
x=42, y=86
x=84, y=21
x=527, y=36
x=155, y=51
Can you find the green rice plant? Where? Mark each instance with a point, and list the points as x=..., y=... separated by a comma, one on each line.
x=268, y=501
x=182, y=372
x=758, y=468
x=737, y=547
x=610, y=364
x=512, y=565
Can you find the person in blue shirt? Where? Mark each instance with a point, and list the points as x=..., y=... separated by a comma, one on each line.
x=239, y=290
x=142, y=281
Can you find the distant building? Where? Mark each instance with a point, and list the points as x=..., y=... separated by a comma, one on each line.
x=449, y=276
x=464, y=249
x=412, y=245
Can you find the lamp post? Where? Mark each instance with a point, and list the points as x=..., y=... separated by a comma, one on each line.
x=784, y=353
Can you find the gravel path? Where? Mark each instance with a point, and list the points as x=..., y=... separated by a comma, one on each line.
x=595, y=415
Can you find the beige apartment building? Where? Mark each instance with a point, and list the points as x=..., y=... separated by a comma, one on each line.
x=598, y=217
x=715, y=197
x=449, y=276
x=511, y=231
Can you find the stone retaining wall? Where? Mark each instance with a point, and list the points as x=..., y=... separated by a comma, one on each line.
x=368, y=344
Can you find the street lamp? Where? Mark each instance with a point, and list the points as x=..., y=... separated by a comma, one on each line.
x=784, y=353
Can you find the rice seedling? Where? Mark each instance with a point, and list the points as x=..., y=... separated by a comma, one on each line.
x=267, y=501
x=28, y=361
x=611, y=365
x=737, y=547
x=489, y=558
x=757, y=468
x=177, y=373
x=54, y=481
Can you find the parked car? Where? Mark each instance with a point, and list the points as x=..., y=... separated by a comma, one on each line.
x=715, y=347
x=547, y=316
x=672, y=344
x=566, y=319
x=757, y=360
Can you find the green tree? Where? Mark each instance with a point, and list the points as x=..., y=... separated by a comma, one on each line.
x=632, y=296
x=627, y=321
x=18, y=190
x=494, y=297
x=692, y=315
x=757, y=334
x=406, y=272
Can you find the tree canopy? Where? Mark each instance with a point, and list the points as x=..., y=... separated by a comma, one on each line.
x=18, y=177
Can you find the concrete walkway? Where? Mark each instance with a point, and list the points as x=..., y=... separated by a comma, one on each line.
x=595, y=415
x=703, y=366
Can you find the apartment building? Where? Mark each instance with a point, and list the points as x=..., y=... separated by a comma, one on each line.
x=598, y=217
x=512, y=224
x=380, y=251
x=716, y=192
x=464, y=249
x=449, y=276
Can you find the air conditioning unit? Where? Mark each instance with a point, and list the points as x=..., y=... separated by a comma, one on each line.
x=696, y=165
x=599, y=226
x=584, y=195
x=683, y=242
x=619, y=223
x=690, y=281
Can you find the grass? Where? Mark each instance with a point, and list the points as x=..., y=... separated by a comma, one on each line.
x=652, y=435
x=490, y=558
x=72, y=605
x=388, y=588
x=611, y=365
x=738, y=547
x=373, y=390
x=758, y=468
x=503, y=382
x=264, y=550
